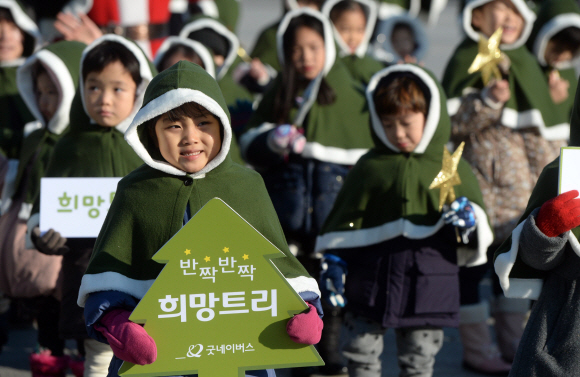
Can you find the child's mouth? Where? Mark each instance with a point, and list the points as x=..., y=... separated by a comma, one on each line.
x=191, y=155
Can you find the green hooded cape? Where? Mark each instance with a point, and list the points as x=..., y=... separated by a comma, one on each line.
x=553, y=17
x=360, y=65
x=518, y=279
x=530, y=104
x=13, y=112
x=150, y=203
x=90, y=150
x=265, y=47
x=387, y=195
x=335, y=133
x=61, y=61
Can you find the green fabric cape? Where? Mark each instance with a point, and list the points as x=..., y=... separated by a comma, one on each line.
x=386, y=194
x=518, y=279
x=89, y=150
x=530, y=104
x=61, y=60
x=150, y=203
x=360, y=65
x=336, y=133
x=13, y=112
x=553, y=17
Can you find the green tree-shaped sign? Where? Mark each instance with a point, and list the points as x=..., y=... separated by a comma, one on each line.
x=220, y=306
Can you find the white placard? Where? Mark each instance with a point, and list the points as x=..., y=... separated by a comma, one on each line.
x=569, y=169
x=75, y=207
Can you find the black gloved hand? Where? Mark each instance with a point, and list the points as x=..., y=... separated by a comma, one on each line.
x=50, y=244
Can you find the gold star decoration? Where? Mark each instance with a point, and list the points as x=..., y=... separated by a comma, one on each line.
x=488, y=56
x=448, y=177
x=226, y=249
x=207, y=259
x=187, y=251
x=245, y=256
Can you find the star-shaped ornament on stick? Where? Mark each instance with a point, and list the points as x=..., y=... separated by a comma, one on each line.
x=488, y=57
x=448, y=176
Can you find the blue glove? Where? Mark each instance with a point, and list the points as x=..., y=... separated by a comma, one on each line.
x=332, y=279
x=462, y=216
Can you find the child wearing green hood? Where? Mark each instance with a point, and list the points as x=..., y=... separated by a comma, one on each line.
x=511, y=129
x=114, y=73
x=183, y=134
x=389, y=248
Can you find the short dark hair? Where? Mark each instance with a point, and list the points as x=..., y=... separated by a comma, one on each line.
x=29, y=42
x=185, y=50
x=567, y=39
x=109, y=52
x=37, y=69
x=397, y=95
x=187, y=110
x=345, y=6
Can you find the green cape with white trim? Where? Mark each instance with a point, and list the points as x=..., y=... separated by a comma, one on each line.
x=150, y=202
x=387, y=195
x=553, y=17
x=61, y=61
x=530, y=104
x=336, y=133
x=517, y=279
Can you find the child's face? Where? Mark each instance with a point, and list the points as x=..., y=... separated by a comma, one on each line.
x=190, y=143
x=403, y=42
x=489, y=17
x=11, y=41
x=308, y=53
x=555, y=54
x=351, y=26
x=47, y=96
x=404, y=130
x=110, y=94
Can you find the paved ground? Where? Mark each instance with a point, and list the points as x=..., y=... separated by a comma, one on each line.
x=255, y=15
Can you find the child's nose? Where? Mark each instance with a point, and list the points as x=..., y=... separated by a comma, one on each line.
x=191, y=135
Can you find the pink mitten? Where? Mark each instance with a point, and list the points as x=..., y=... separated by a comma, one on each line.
x=128, y=340
x=560, y=214
x=286, y=138
x=305, y=328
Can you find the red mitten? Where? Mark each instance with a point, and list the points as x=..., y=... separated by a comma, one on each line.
x=305, y=328
x=128, y=340
x=560, y=214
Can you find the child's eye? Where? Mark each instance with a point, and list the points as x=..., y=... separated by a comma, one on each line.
x=119, y=90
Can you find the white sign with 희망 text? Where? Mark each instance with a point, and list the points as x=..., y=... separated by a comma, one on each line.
x=75, y=207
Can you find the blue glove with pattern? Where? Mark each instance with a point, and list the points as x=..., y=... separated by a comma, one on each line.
x=332, y=278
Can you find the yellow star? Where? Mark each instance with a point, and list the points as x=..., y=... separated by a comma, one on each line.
x=187, y=251
x=448, y=177
x=226, y=249
x=488, y=56
x=245, y=256
x=206, y=259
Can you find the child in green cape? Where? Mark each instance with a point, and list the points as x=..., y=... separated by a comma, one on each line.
x=114, y=73
x=47, y=82
x=511, y=129
x=353, y=24
x=388, y=247
x=183, y=134
x=20, y=38
x=540, y=261
x=555, y=42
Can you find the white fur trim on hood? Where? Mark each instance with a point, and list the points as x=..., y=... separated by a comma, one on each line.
x=329, y=45
x=144, y=70
x=22, y=20
x=528, y=15
x=221, y=29
x=370, y=10
x=434, y=105
x=197, y=47
x=551, y=28
x=383, y=48
x=162, y=104
x=61, y=77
